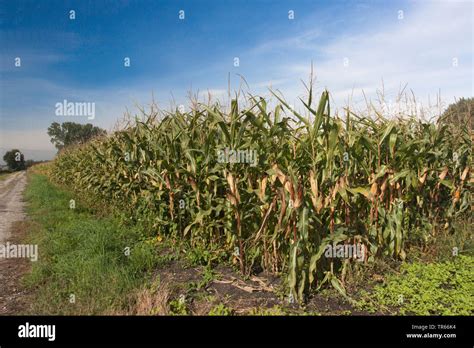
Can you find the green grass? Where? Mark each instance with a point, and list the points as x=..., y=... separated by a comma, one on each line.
x=4, y=175
x=441, y=288
x=82, y=255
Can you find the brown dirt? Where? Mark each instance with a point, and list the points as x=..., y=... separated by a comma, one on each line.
x=258, y=294
x=11, y=203
x=14, y=298
x=242, y=296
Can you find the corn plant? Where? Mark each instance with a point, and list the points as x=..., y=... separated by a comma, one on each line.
x=320, y=179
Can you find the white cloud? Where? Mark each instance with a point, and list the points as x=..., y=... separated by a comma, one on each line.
x=418, y=51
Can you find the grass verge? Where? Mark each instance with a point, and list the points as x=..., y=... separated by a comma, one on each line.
x=83, y=267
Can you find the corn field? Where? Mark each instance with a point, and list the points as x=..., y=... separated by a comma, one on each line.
x=318, y=179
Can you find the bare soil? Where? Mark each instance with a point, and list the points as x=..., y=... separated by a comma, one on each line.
x=13, y=296
x=257, y=294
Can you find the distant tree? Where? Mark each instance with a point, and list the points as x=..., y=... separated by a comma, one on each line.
x=461, y=112
x=69, y=133
x=14, y=159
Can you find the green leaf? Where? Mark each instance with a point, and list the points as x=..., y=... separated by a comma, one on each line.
x=337, y=285
x=301, y=118
x=388, y=130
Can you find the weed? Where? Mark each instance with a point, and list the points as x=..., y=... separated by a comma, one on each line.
x=220, y=310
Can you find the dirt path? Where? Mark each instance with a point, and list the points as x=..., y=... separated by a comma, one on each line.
x=12, y=229
x=11, y=203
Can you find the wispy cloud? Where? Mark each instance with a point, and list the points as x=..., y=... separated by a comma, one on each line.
x=420, y=50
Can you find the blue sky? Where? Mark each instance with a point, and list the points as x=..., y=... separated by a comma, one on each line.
x=83, y=59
